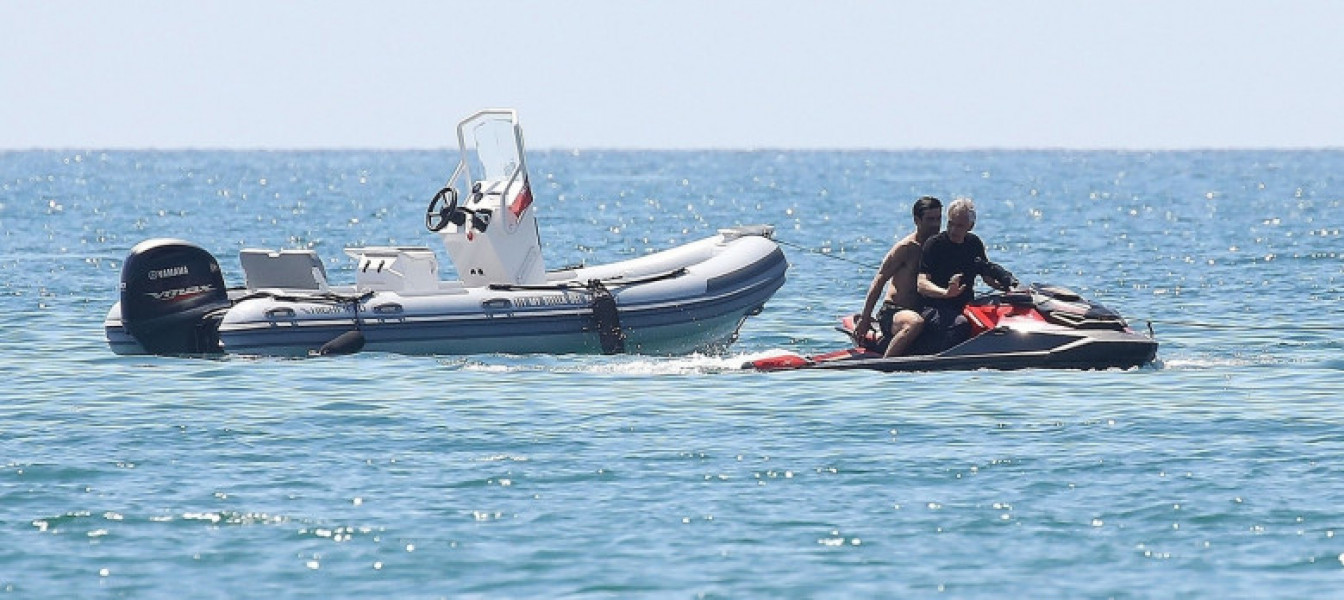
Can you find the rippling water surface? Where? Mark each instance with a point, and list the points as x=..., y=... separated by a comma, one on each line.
x=1215, y=473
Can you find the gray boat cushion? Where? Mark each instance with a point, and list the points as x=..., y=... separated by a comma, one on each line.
x=286, y=269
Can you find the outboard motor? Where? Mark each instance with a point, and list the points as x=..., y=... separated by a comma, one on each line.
x=169, y=290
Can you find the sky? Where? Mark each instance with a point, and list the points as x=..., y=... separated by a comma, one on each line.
x=261, y=74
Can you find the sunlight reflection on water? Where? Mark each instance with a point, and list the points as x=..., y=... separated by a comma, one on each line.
x=375, y=474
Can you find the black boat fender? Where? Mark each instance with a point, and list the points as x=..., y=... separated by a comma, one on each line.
x=350, y=342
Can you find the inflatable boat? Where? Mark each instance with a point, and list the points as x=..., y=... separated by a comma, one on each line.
x=1041, y=326
x=692, y=298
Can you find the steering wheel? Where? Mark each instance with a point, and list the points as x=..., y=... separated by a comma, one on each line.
x=436, y=218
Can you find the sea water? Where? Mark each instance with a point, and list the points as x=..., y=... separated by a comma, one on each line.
x=1217, y=472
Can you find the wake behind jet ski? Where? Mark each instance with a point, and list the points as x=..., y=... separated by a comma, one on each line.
x=1041, y=326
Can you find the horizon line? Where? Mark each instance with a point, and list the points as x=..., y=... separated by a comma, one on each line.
x=747, y=149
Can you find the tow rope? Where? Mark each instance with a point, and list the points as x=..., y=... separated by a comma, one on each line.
x=824, y=254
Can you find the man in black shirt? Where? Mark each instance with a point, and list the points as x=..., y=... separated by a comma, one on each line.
x=947, y=272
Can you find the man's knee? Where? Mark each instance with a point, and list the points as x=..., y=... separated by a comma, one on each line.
x=906, y=320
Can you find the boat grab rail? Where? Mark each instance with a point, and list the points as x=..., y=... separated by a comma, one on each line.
x=590, y=284
x=323, y=298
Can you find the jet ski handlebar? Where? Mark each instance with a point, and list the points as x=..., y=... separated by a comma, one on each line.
x=998, y=274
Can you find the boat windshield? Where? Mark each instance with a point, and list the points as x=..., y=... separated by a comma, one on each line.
x=491, y=145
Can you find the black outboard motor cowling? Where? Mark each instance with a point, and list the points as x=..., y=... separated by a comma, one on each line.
x=169, y=288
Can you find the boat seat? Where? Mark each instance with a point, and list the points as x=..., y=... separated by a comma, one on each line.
x=286, y=269
x=407, y=269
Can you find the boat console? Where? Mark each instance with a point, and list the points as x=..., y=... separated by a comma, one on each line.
x=492, y=235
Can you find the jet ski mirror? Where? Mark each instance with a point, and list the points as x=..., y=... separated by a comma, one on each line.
x=436, y=218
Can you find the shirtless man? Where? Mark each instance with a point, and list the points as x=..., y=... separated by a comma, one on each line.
x=899, y=318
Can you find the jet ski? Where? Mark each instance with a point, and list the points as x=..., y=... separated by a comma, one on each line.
x=1042, y=326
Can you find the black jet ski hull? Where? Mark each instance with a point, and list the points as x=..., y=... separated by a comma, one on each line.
x=1044, y=327
x=998, y=350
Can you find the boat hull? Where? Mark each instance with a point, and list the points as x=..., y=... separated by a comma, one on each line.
x=693, y=298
